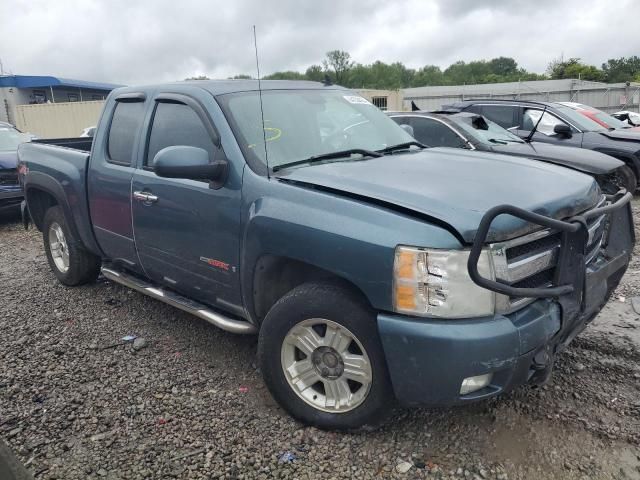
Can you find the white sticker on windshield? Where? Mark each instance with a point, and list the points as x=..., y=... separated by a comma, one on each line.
x=356, y=99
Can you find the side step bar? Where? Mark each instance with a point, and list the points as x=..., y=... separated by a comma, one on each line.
x=178, y=301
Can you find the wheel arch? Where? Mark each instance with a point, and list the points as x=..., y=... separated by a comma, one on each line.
x=276, y=275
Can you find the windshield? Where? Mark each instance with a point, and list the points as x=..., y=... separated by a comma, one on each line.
x=299, y=124
x=484, y=130
x=583, y=123
x=10, y=138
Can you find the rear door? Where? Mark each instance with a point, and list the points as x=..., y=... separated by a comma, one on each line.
x=113, y=160
x=188, y=234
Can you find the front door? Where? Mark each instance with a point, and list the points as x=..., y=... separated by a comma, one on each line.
x=546, y=121
x=186, y=231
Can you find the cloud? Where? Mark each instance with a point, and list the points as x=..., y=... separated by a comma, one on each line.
x=162, y=40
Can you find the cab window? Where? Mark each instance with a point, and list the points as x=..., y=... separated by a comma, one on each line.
x=548, y=122
x=177, y=124
x=435, y=134
x=503, y=115
x=124, y=129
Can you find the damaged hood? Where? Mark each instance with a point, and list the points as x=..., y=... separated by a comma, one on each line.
x=580, y=159
x=456, y=187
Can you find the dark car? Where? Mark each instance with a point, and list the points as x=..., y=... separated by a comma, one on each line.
x=475, y=132
x=10, y=190
x=558, y=124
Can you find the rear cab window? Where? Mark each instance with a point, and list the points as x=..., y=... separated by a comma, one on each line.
x=123, y=132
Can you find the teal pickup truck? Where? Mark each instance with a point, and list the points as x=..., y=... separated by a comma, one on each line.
x=372, y=268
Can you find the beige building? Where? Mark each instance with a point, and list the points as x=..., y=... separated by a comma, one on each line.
x=390, y=100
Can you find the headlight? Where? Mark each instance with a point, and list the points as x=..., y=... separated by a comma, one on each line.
x=435, y=283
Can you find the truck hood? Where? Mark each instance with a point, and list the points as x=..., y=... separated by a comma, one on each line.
x=456, y=187
x=8, y=160
x=580, y=159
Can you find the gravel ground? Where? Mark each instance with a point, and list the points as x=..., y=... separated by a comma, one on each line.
x=187, y=402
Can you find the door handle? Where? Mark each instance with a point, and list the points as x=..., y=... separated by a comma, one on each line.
x=145, y=197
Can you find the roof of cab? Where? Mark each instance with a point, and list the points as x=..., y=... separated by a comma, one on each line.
x=221, y=87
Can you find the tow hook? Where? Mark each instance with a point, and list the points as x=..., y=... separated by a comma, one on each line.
x=542, y=367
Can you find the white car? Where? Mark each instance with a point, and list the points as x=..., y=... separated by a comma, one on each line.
x=88, y=132
x=633, y=118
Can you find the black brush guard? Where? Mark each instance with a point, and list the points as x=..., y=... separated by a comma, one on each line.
x=569, y=283
x=572, y=251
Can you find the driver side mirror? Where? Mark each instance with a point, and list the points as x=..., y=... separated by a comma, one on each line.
x=182, y=161
x=563, y=130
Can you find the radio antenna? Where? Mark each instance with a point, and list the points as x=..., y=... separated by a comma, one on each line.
x=264, y=132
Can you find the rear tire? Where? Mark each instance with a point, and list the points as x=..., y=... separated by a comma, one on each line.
x=322, y=359
x=70, y=262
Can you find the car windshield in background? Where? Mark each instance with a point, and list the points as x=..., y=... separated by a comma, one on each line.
x=609, y=120
x=299, y=124
x=484, y=130
x=10, y=138
x=583, y=123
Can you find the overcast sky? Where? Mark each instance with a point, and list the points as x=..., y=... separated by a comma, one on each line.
x=138, y=41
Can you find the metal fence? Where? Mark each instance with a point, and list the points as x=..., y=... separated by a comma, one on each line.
x=607, y=97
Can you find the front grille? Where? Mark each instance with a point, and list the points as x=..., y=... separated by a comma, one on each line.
x=530, y=261
x=528, y=248
x=8, y=177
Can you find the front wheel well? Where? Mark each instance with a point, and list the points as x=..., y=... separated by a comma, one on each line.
x=275, y=276
x=39, y=201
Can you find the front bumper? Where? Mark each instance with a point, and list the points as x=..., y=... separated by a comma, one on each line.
x=10, y=196
x=428, y=359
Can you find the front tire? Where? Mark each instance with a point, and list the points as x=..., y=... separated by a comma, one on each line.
x=625, y=177
x=70, y=262
x=322, y=359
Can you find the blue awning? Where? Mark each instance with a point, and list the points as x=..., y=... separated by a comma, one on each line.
x=31, y=81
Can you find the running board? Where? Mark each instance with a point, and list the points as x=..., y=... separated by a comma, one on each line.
x=178, y=301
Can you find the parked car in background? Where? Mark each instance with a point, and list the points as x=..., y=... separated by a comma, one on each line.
x=371, y=268
x=560, y=125
x=475, y=132
x=88, y=132
x=598, y=116
x=632, y=118
x=10, y=190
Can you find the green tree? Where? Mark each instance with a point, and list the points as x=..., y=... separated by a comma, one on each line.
x=286, y=75
x=622, y=69
x=199, y=77
x=574, y=68
x=315, y=73
x=241, y=76
x=339, y=63
x=427, y=75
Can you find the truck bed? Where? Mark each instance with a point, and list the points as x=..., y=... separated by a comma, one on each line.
x=80, y=143
x=59, y=171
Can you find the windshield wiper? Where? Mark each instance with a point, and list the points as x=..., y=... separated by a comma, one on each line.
x=327, y=156
x=501, y=142
x=401, y=146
